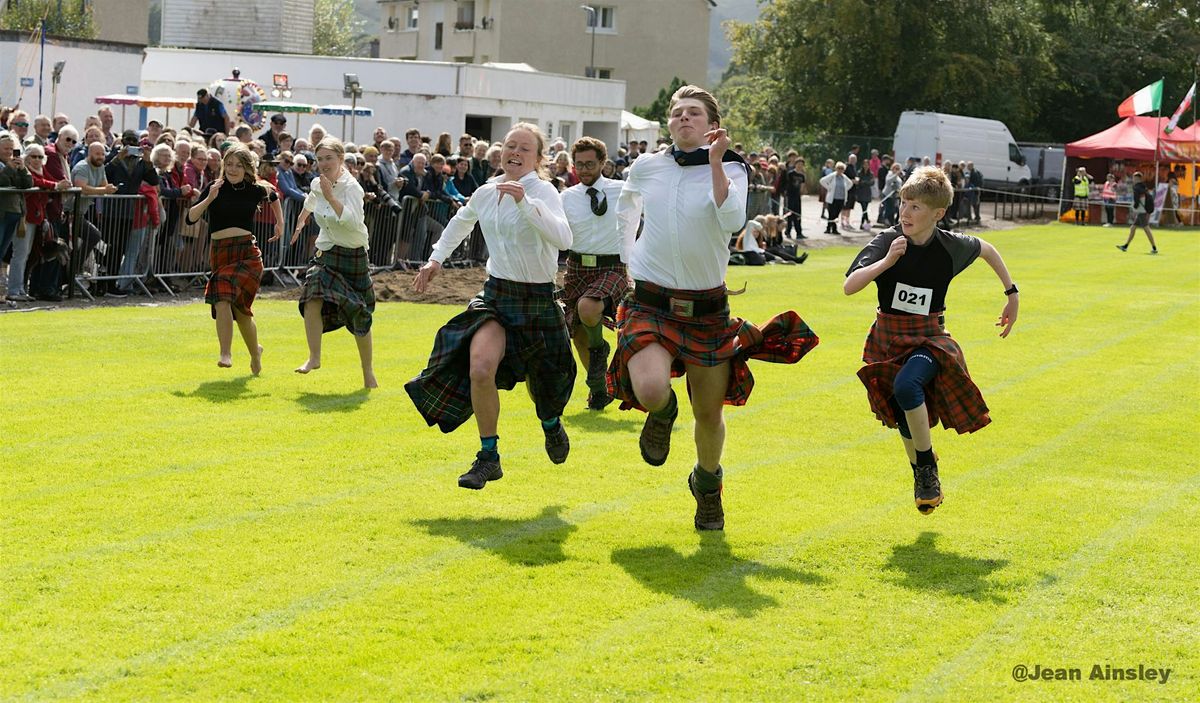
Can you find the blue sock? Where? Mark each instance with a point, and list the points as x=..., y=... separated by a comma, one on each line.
x=488, y=444
x=550, y=425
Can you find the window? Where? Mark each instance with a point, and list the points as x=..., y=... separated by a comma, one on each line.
x=392, y=23
x=1015, y=155
x=437, y=37
x=466, y=15
x=604, y=73
x=603, y=18
x=410, y=16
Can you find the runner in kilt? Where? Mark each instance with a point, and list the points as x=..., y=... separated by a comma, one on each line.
x=596, y=279
x=231, y=202
x=514, y=330
x=915, y=373
x=338, y=291
x=677, y=321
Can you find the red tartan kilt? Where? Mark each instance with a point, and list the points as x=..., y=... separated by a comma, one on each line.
x=951, y=397
x=606, y=283
x=703, y=341
x=236, y=273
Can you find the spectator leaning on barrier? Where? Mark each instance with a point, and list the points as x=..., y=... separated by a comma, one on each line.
x=13, y=174
x=35, y=220
x=88, y=175
x=286, y=179
x=128, y=171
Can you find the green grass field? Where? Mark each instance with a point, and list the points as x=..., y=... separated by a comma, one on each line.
x=171, y=530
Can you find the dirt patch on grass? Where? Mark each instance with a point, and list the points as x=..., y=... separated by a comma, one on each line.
x=451, y=287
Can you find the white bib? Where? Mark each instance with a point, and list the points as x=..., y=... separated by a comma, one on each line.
x=912, y=299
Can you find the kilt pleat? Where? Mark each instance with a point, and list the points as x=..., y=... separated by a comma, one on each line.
x=236, y=273
x=537, y=351
x=340, y=278
x=952, y=398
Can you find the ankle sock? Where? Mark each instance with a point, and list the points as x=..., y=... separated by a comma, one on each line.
x=550, y=425
x=489, y=444
x=925, y=457
x=706, y=481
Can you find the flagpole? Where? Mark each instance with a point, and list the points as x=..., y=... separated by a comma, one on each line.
x=1157, y=137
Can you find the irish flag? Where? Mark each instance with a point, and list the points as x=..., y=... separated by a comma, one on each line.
x=1147, y=99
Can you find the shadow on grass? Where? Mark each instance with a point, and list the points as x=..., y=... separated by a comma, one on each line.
x=536, y=541
x=222, y=391
x=608, y=419
x=334, y=402
x=711, y=577
x=926, y=568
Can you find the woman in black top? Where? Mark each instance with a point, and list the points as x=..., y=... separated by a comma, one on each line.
x=464, y=183
x=231, y=202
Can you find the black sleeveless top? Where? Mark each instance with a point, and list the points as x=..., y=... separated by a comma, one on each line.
x=236, y=206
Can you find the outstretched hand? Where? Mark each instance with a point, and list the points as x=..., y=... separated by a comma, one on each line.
x=425, y=275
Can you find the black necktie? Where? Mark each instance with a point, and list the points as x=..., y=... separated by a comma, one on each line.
x=598, y=208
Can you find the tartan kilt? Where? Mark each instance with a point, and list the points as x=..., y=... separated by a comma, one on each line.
x=607, y=283
x=951, y=397
x=537, y=351
x=703, y=341
x=236, y=273
x=339, y=277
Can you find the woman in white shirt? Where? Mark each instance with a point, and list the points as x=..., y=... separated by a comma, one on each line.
x=514, y=330
x=839, y=188
x=677, y=320
x=338, y=290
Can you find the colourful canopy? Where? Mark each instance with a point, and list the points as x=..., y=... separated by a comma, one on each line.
x=284, y=106
x=166, y=102
x=117, y=99
x=345, y=110
x=1135, y=139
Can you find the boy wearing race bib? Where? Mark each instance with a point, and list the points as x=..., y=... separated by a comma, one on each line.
x=915, y=374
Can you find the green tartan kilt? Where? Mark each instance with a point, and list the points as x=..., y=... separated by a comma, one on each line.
x=537, y=351
x=340, y=279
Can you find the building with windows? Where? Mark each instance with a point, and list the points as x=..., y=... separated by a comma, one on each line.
x=645, y=43
x=283, y=26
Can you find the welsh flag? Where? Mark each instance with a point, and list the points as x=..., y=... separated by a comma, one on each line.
x=1183, y=106
x=1147, y=99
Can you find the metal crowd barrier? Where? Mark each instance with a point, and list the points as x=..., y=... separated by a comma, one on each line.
x=120, y=244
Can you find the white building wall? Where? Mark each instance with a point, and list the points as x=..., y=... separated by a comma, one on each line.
x=432, y=97
x=246, y=25
x=91, y=70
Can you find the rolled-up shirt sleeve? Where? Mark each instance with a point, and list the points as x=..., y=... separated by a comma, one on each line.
x=547, y=217
x=458, y=229
x=629, y=213
x=732, y=213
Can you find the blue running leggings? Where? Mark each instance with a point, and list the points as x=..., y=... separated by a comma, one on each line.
x=908, y=391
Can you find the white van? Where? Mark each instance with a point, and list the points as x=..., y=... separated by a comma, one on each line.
x=940, y=136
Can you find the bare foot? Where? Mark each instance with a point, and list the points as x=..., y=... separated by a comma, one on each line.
x=369, y=380
x=307, y=366
x=256, y=362
x=226, y=361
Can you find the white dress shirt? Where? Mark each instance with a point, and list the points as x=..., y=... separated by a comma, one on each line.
x=523, y=239
x=685, y=240
x=346, y=230
x=592, y=234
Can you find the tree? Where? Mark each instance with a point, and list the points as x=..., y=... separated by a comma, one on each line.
x=63, y=19
x=657, y=110
x=1052, y=70
x=337, y=29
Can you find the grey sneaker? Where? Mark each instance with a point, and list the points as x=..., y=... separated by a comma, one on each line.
x=486, y=467
x=655, y=441
x=557, y=444
x=927, y=489
x=709, y=513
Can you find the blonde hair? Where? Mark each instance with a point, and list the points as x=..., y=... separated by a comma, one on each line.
x=697, y=93
x=541, y=145
x=929, y=185
x=249, y=162
x=333, y=144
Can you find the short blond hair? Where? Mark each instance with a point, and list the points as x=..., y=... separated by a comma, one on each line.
x=333, y=144
x=697, y=93
x=930, y=185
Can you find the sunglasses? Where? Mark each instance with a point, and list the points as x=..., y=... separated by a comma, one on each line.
x=20, y=124
x=36, y=156
x=70, y=141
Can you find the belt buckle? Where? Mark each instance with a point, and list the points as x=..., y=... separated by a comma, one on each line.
x=587, y=259
x=319, y=252
x=682, y=308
